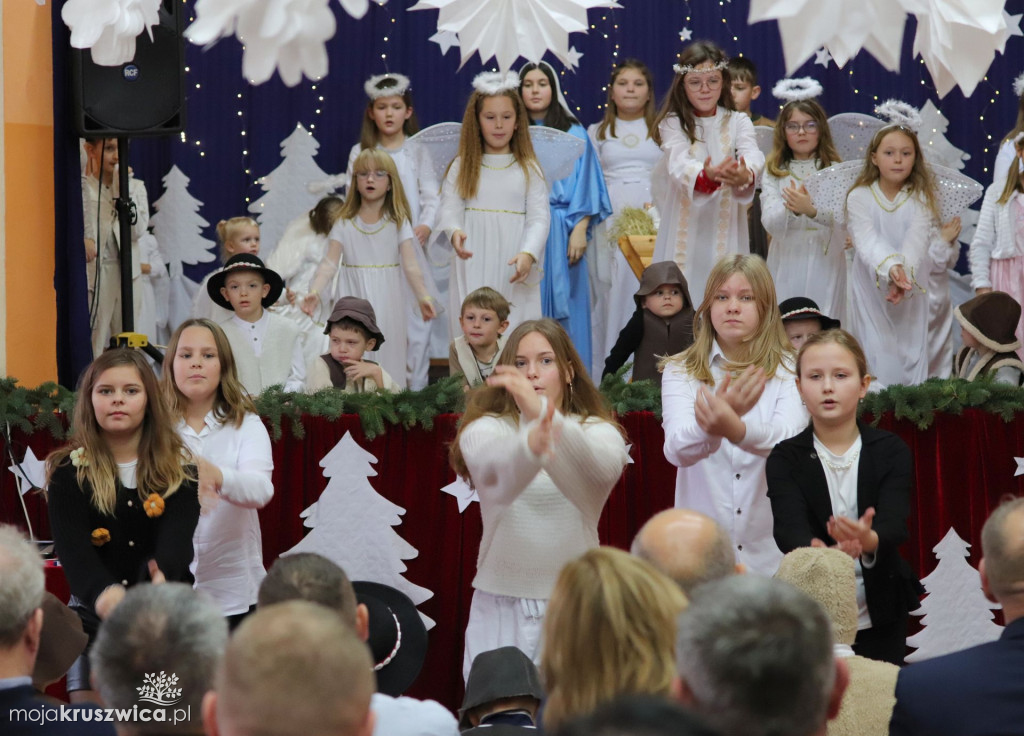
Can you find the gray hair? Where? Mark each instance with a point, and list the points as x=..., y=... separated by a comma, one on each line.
x=1002, y=545
x=159, y=629
x=689, y=560
x=757, y=656
x=307, y=576
x=22, y=584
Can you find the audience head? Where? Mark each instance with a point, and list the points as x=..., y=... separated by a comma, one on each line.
x=21, y=594
x=159, y=629
x=608, y=630
x=292, y=669
x=829, y=578
x=501, y=679
x=637, y=715
x=755, y=658
x=687, y=546
x=307, y=576
x=1002, y=564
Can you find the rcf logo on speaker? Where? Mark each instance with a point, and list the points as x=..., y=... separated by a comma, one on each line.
x=130, y=72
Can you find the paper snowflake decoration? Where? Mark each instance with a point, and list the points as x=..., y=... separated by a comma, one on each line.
x=958, y=39
x=507, y=29
x=108, y=28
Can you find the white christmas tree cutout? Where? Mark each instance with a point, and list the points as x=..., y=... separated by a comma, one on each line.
x=352, y=525
x=957, y=615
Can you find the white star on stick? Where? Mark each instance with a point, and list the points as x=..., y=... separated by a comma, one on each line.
x=573, y=59
x=445, y=39
x=462, y=492
x=822, y=56
x=1020, y=466
x=685, y=35
x=32, y=473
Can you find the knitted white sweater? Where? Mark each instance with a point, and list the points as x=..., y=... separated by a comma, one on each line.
x=538, y=512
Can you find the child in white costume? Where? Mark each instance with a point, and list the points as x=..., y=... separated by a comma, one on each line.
x=711, y=160
x=727, y=400
x=494, y=211
x=543, y=451
x=389, y=121
x=997, y=251
x=373, y=242
x=628, y=155
x=231, y=447
x=892, y=218
x=806, y=256
x=236, y=235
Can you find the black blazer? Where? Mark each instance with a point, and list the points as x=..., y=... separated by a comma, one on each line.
x=16, y=702
x=798, y=492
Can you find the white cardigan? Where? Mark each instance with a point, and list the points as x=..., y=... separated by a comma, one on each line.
x=994, y=237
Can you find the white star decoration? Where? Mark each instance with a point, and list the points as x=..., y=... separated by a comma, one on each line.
x=1012, y=28
x=573, y=60
x=822, y=56
x=1020, y=466
x=508, y=29
x=462, y=492
x=32, y=473
x=445, y=39
x=685, y=35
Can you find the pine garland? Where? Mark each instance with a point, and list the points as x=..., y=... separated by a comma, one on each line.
x=47, y=406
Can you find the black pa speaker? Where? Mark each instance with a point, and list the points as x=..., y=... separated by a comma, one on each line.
x=144, y=97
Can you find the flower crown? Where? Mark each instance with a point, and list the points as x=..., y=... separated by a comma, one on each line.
x=689, y=68
x=794, y=90
x=1018, y=85
x=1018, y=138
x=494, y=83
x=374, y=91
x=900, y=113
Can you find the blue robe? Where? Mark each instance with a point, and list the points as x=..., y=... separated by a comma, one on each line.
x=565, y=290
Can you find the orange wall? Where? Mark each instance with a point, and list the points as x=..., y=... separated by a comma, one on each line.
x=31, y=314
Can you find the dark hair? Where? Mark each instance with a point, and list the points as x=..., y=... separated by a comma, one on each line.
x=676, y=101
x=556, y=115
x=779, y=159
x=348, y=323
x=308, y=576
x=326, y=212
x=637, y=715
x=742, y=69
x=368, y=132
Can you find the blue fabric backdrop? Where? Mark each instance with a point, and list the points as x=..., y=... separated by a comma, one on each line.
x=221, y=105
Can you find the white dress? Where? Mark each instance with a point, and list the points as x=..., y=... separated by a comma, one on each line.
x=371, y=268
x=886, y=233
x=508, y=216
x=698, y=229
x=627, y=161
x=806, y=257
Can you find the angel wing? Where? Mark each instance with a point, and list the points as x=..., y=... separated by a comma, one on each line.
x=852, y=133
x=828, y=189
x=441, y=142
x=765, y=137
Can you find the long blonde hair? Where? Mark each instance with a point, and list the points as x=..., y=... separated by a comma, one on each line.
x=779, y=159
x=161, y=451
x=767, y=348
x=580, y=398
x=611, y=112
x=396, y=206
x=232, y=402
x=609, y=630
x=471, y=142
x=921, y=180
x=1014, y=179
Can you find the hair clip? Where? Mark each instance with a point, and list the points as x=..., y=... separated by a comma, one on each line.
x=494, y=83
x=690, y=68
x=1018, y=85
x=900, y=114
x=795, y=90
x=375, y=85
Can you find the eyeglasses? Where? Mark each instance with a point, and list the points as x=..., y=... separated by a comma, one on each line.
x=809, y=127
x=696, y=82
x=379, y=174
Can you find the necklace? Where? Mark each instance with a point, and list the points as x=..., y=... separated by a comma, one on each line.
x=840, y=466
x=885, y=203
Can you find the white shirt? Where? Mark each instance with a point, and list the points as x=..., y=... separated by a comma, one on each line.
x=410, y=717
x=255, y=334
x=723, y=480
x=228, y=562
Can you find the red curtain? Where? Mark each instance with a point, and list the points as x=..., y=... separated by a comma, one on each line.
x=964, y=465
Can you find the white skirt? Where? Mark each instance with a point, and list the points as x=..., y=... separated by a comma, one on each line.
x=500, y=621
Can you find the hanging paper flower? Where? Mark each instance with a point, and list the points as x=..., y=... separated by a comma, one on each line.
x=153, y=505
x=108, y=28
x=508, y=29
x=78, y=458
x=99, y=537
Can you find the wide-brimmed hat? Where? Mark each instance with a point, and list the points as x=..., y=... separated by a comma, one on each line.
x=398, y=637
x=60, y=642
x=244, y=262
x=359, y=310
x=505, y=672
x=800, y=307
x=992, y=320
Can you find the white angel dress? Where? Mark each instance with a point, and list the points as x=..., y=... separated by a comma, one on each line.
x=509, y=215
x=806, y=257
x=698, y=229
x=627, y=161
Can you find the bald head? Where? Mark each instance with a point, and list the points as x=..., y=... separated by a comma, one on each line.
x=686, y=545
x=1002, y=545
